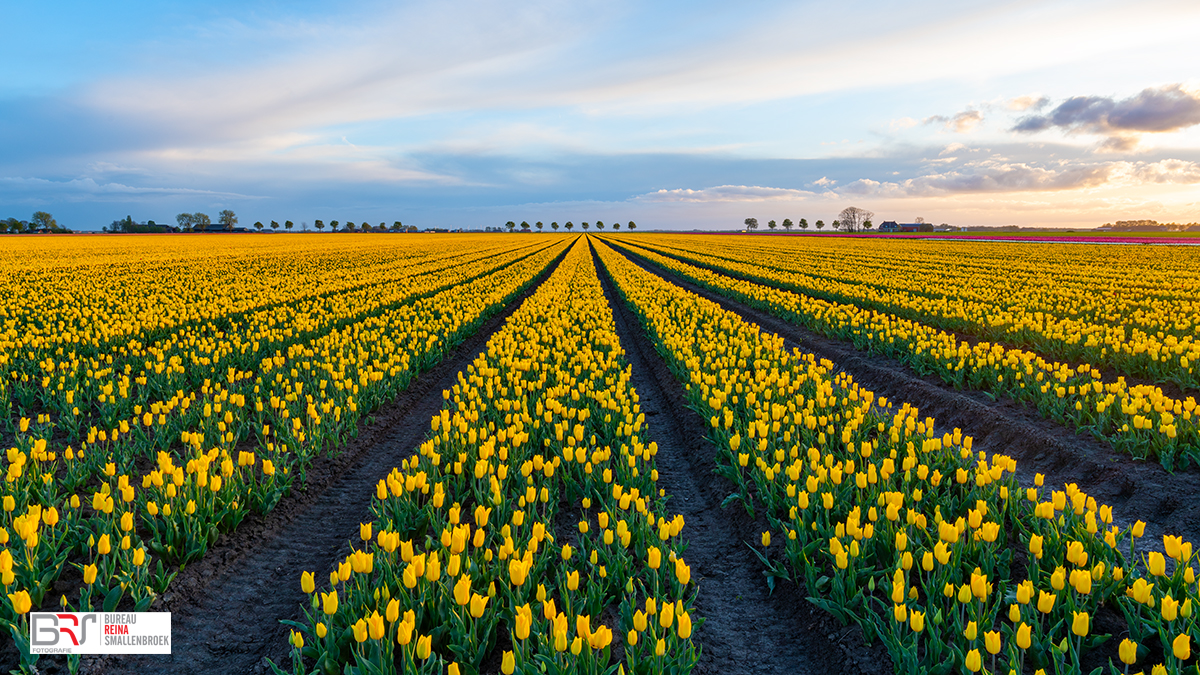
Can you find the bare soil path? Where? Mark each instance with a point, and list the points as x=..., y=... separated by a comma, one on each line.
x=1136, y=489
x=746, y=628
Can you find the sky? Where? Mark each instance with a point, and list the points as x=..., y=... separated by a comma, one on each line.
x=676, y=115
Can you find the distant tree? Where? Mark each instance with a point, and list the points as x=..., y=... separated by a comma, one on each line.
x=510, y=225
x=632, y=225
x=186, y=221
x=599, y=224
x=836, y=225
x=804, y=223
x=616, y=226
x=554, y=226
x=350, y=226
x=852, y=218
x=228, y=219
x=867, y=225
x=397, y=226
x=820, y=224
x=524, y=226
x=288, y=224
x=771, y=224
x=258, y=225
x=584, y=226
x=924, y=227
x=787, y=224
x=319, y=224
x=918, y=220
x=569, y=225
x=201, y=220
x=41, y=220
x=751, y=224
x=383, y=227
x=333, y=225
x=539, y=225
x=274, y=224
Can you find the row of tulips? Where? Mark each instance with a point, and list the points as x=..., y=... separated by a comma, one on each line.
x=1134, y=314
x=244, y=440
x=78, y=385
x=1138, y=419
x=906, y=530
x=527, y=529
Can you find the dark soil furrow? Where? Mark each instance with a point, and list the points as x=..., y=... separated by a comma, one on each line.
x=746, y=629
x=1136, y=489
x=227, y=607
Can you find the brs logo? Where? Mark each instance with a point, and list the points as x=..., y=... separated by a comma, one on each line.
x=46, y=630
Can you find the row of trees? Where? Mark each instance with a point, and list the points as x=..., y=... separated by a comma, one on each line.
x=350, y=226
x=569, y=225
x=851, y=219
x=40, y=222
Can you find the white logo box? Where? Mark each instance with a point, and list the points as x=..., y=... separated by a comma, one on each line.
x=100, y=632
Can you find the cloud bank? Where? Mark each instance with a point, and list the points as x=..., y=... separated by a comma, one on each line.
x=1153, y=110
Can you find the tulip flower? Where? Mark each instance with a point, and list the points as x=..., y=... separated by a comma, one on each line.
x=21, y=602
x=991, y=640
x=1080, y=624
x=307, y=583
x=508, y=663
x=1181, y=646
x=424, y=646
x=974, y=661
x=683, y=627
x=329, y=602
x=1128, y=651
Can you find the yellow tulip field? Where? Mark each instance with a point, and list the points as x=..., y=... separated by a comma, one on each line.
x=163, y=392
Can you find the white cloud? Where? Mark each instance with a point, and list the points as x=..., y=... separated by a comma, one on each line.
x=726, y=193
x=89, y=186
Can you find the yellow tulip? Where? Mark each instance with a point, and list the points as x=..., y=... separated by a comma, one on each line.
x=1079, y=625
x=329, y=602
x=684, y=627
x=991, y=640
x=974, y=661
x=307, y=583
x=1181, y=646
x=1024, y=635
x=1128, y=651
x=21, y=602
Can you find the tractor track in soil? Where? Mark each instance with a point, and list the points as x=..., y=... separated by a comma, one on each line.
x=1169, y=503
x=227, y=607
x=746, y=628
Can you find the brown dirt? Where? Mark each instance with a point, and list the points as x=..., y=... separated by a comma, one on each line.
x=746, y=629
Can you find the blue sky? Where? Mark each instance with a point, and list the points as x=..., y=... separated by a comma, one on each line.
x=675, y=115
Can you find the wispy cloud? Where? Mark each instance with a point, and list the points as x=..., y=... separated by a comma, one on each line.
x=1023, y=103
x=90, y=187
x=962, y=122
x=992, y=176
x=725, y=193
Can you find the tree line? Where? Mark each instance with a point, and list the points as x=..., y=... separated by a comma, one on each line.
x=512, y=226
x=40, y=222
x=851, y=219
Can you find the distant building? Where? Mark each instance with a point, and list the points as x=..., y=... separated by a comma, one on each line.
x=889, y=226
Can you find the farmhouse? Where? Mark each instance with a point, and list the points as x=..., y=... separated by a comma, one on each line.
x=889, y=226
